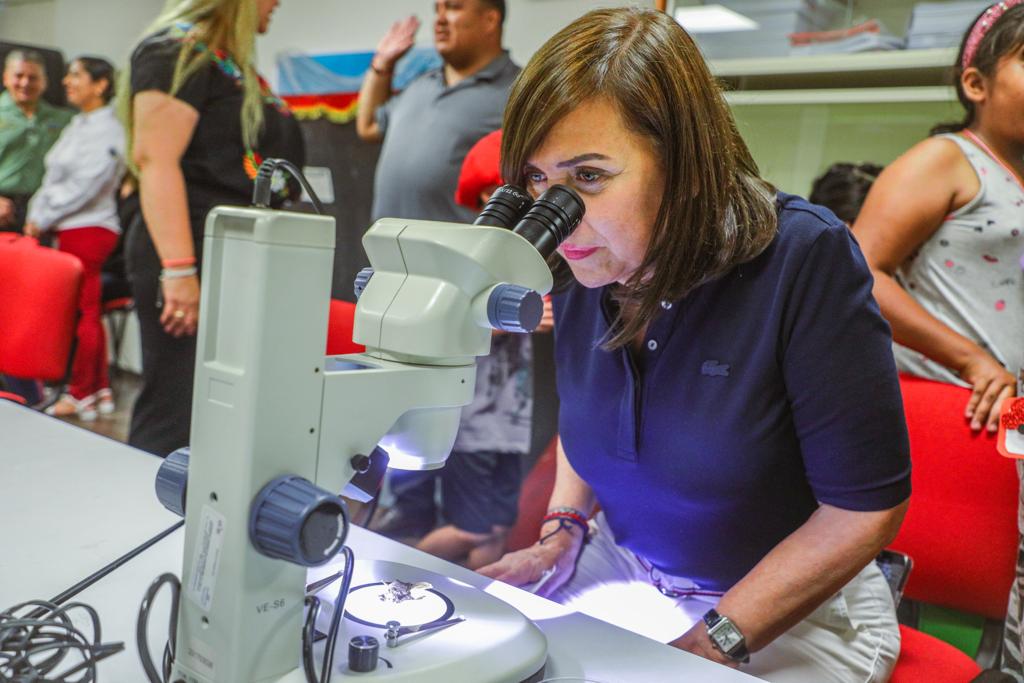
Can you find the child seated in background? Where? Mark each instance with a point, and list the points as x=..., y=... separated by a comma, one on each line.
x=843, y=187
x=481, y=481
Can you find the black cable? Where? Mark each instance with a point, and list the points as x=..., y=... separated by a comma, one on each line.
x=263, y=186
x=368, y=511
x=339, y=610
x=309, y=630
x=97, y=575
x=308, y=636
x=142, y=624
x=34, y=646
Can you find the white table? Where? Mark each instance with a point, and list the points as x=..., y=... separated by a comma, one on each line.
x=80, y=500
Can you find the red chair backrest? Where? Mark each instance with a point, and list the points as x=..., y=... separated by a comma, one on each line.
x=961, y=527
x=39, y=291
x=533, y=500
x=339, y=329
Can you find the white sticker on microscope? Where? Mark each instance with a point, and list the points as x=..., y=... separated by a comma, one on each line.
x=206, y=558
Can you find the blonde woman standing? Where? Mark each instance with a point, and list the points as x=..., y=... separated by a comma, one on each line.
x=200, y=122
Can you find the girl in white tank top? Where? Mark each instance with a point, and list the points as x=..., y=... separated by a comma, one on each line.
x=942, y=231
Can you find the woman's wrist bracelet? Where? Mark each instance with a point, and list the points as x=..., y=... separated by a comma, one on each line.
x=176, y=273
x=172, y=263
x=567, y=518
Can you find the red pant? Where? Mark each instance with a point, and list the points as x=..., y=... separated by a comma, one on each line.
x=90, y=371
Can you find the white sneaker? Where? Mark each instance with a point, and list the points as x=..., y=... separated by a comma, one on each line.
x=68, y=406
x=104, y=399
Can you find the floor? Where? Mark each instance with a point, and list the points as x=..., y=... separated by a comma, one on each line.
x=126, y=387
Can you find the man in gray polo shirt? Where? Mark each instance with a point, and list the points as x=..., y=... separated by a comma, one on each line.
x=428, y=128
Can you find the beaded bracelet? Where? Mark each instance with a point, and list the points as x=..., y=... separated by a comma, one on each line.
x=567, y=518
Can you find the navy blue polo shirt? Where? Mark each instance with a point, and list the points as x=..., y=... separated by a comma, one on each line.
x=763, y=393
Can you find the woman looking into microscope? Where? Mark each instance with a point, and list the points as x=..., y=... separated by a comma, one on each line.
x=728, y=392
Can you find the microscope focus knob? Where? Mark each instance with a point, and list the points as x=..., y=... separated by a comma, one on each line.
x=362, y=279
x=294, y=519
x=513, y=308
x=363, y=652
x=172, y=481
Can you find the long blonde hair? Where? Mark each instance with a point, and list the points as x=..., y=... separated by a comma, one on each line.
x=228, y=25
x=716, y=212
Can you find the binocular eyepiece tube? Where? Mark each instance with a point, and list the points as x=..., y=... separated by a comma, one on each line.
x=545, y=223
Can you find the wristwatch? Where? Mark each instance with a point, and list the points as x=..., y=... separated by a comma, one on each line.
x=726, y=637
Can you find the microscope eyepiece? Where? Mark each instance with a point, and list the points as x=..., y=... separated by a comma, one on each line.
x=506, y=206
x=551, y=219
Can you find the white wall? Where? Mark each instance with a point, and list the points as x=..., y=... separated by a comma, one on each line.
x=110, y=27
x=28, y=23
x=318, y=26
x=105, y=28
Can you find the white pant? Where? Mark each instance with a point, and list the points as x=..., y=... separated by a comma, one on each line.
x=852, y=638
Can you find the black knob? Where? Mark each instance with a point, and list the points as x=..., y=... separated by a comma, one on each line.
x=363, y=652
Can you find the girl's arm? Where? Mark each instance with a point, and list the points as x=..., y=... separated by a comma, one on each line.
x=905, y=207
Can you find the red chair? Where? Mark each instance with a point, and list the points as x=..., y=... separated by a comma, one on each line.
x=924, y=658
x=39, y=291
x=533, y=500
x=117, y=312
x=339, y=329
x=960, y=529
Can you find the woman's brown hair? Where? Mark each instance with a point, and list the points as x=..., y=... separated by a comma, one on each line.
x=716, y=212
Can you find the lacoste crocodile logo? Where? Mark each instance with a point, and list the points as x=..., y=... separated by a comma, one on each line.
x=712, y=368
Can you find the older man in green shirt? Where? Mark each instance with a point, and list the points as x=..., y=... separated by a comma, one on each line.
x=28, y=128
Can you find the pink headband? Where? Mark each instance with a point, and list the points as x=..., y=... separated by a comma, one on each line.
x=986, y=21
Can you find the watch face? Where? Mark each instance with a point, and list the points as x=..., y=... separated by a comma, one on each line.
x=727, y=636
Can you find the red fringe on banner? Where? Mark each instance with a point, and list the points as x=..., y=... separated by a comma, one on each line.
x=336, y=107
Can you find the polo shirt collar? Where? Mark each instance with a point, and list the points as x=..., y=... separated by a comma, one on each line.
x=493, y=69
x=7, y=102
x=8, y=106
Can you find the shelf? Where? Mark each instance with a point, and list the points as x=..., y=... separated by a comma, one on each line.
x=894, y=60
x=863, y=70
x=842, y=96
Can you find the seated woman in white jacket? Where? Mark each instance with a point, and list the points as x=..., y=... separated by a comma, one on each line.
x=77, y=200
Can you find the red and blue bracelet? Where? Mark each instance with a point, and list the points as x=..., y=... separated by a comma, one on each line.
x=567, y=517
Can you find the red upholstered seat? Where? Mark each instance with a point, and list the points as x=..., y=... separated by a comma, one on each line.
x=533, y=500
x=38, y=308
x=961, y=527
x=339, y=329
x=925, y=659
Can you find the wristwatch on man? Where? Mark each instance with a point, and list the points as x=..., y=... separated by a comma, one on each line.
x=726, y=637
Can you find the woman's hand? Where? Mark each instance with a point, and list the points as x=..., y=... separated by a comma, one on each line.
x=697, y=641
x=32, y=230
x=551, y=564
x=990, y=383
x=180, y=315
x=396, y=42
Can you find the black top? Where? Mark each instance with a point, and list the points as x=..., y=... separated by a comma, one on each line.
x=218, y=167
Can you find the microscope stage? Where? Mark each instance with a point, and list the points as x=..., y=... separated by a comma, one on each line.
x=493, y=642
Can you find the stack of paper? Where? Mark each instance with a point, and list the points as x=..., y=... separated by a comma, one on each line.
x=942, y=24
x=776, y=20
x=866, y=37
